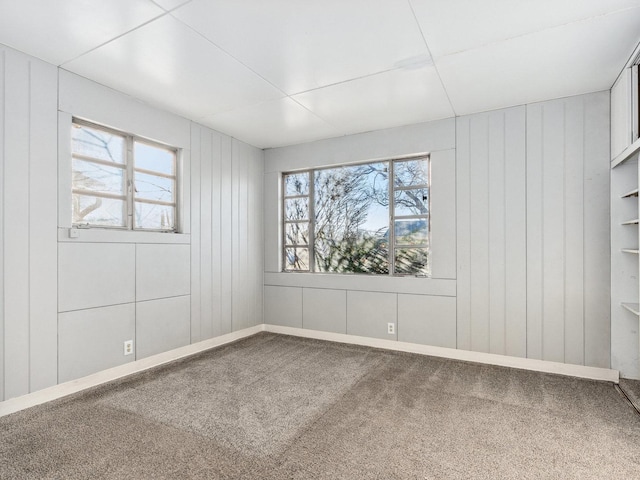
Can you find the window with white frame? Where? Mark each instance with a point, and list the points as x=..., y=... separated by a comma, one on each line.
x=122, y=181
x=363, y=218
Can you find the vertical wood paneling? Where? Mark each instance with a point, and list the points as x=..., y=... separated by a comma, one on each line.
x=16, y=223
x=479, y=231
x=229, y=248
x=43, y=277
x=463, y=249
x=567, y=230
x=535, y=220
x=195, y=233
x=244, y=291
x=226, y=231
x=259, y=239
x=497, y=233
x=205, y=235
x=216, y=270
x=491, y=231
x=574, y=232
x=272, y=214
x=553, y=231
x=515, y=244
x=236, y=298
x=597, y=239
x=2, y=230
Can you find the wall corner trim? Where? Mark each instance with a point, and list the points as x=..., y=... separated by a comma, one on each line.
x=74, y=386
x=579, y=371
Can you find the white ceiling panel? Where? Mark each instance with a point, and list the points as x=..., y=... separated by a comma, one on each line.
x=301, y=45
x=457, y=25
x=395, y=98
x=58, y=31
x=576, y=58
x=272, y=124
x=169, y=65
x=170, y=4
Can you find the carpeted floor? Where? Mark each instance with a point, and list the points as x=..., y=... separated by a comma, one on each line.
x=278, y=407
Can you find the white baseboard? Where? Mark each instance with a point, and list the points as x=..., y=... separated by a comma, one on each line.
x=62, y=390
x=581, y=371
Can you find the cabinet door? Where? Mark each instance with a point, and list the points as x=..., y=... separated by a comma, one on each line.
x=621, y=113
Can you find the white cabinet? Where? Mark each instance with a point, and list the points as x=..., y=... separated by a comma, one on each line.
x=625, y=212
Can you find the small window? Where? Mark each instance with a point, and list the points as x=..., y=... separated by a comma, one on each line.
x=122, y=181
x=365, y=218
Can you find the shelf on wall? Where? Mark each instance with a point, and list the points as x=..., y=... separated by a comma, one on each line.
x=630, y=250
x=632, y=193
x=626, y=154
x=630, y=222
x=632, y=307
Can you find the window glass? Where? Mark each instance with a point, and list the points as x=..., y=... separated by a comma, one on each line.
x=296, y=184
x=113, y=186
x=352, y=219
x=98, y=144
x=338, y=219
x=88, y=209
x=296, y=259
x=97, y=177
x=413, y=201
x=155, y=159
x=154, y=217
x=152, y=187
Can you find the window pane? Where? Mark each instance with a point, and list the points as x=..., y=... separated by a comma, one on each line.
x=297, y=234
x=411, y=232
x=411, y=172
x=296, y=259
x=411, y=202
x=157, y=159
x=154, y=217
x=296, y=184
x=97, y=144
x=154, y=188
x=97, y=177
x=296, y=209
x=98, y=211
x=352, y=219
x=412, y=261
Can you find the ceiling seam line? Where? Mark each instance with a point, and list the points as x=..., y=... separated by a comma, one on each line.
x=424, y=39
x=117, y=37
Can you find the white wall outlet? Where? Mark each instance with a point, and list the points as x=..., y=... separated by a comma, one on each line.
x=391, y=328
x=128, y=347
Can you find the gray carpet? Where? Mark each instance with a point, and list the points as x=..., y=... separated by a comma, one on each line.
x=278, y=407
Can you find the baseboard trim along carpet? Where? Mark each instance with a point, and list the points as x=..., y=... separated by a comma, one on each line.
x=580, y=371
x=62, y=390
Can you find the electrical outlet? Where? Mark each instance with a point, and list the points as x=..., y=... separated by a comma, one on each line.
x=391, y=328
x=128, y=347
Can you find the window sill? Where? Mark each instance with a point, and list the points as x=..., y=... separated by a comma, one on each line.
x=372, y=283
x=105, y=235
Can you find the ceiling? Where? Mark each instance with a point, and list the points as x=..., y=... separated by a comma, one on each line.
x=281, y=72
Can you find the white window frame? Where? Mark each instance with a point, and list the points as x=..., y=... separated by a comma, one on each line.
x=129, y=173
x=392, y=217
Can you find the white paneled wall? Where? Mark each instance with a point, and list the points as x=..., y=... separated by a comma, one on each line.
x=568, y=240
x=227, y=234
x=532, y=231
x=28, y=266
x=92, y=340
x=519, y=228
x=491, y=216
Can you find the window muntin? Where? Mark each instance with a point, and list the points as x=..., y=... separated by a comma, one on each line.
x=121, y=181
x=352, y=219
